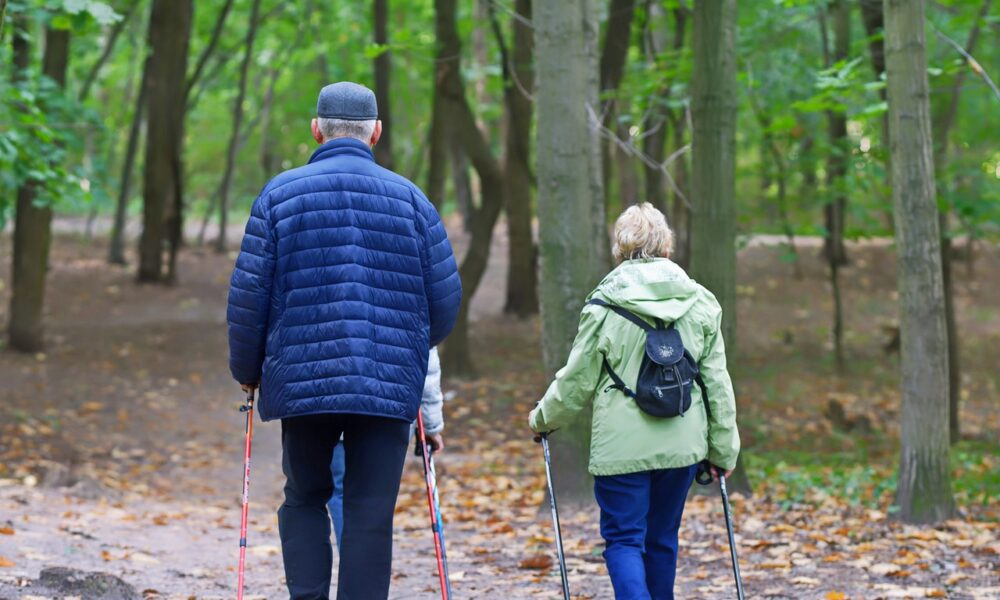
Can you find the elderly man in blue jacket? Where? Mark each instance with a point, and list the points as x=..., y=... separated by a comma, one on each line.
x=344, y=282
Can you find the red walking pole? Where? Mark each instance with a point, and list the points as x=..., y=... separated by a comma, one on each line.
x=434, y=505
x=248, y=409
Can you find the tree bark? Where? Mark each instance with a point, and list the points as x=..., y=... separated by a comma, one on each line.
x=241, y=93
x=943, y=119
x=924, y=490
x=169, y=33
x=836, y=172
x=32, y=223
x=437, y=143
x=455, y=356
x=573, y=239
x=680, y=214
x=116, y=247
x=713, y=181
x=383, y=79
x=522, y=263
x=834, y=210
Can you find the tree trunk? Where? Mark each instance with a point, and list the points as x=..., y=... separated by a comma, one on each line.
x=383, y=78
x=437, y=142
x=267, y=158
x=522, y=265
x=169, y=32
x=612, y=69
x=836, y=172
x=833, y=245
x=116, y=250
x=924, y=494
x=713, y=112
x=713, y=186
x=455, y=355
x=943, y=119
x=461, y=184
x=572, y=228
x=680, y=215
x=32, y=223
x=241, y=93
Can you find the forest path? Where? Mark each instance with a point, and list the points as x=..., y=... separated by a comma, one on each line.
x=121, y=448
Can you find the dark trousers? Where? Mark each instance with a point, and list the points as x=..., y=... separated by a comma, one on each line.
x=640, y=517
x=375, y=449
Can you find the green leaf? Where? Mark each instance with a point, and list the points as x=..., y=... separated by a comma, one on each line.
x=373, y=51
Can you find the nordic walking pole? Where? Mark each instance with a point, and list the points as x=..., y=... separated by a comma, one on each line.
x=732, y=537
x=434, y=506
x=544, y=439
x=704, y=477
x=248, y=409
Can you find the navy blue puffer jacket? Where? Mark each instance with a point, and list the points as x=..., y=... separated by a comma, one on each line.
x=344, y=281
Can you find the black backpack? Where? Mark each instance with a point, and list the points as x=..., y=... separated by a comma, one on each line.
x=667, y=373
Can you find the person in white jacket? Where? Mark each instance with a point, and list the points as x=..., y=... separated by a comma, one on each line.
x=432, y=409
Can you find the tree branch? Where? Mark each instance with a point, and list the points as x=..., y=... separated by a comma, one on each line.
x=220, y=22
x=105, y=54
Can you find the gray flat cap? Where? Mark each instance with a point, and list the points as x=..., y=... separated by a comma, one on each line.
x=347, y=101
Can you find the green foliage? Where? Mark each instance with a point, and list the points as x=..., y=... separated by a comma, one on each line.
x=35, y=139
x=856, y=477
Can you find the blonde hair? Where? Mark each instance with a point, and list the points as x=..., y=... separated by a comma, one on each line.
x=642, y=232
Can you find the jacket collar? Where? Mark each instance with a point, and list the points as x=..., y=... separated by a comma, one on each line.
x=342, y=147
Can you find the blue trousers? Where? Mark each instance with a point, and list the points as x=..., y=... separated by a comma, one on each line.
x=640, y=516
x=374, y=452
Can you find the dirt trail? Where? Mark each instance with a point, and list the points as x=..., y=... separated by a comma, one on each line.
x=121, y=449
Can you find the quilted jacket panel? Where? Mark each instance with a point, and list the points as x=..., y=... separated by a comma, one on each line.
x=344, y=281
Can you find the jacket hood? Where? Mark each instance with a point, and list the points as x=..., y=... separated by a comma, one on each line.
x=652, y=287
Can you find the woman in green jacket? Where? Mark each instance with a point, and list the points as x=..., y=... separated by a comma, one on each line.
x=643, y=465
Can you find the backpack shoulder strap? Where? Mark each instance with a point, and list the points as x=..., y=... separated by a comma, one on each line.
x=625, y=314
x=616, y=381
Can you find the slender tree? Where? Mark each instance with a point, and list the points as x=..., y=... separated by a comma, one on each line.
x=924, y=490
x=573, y=235
x=836, y=173
x=522, y=265
x=617, y=39
x=663, y=124
x=840, y=13
x=713, y=114
x=713, y=181
x=33, y=220
x=116, y=249
x=944, y=115
x=383, y=78
x=474, y=145
x=241, y=94
x=169, y=33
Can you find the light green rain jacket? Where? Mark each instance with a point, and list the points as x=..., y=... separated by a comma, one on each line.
x=624, y=439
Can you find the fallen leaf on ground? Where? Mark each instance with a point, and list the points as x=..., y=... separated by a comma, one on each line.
x=538, y=561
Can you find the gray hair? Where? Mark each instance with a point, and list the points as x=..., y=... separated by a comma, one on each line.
x=642, y=232
x=338, y=128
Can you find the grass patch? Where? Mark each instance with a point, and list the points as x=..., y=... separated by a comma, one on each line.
x=795, y=477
